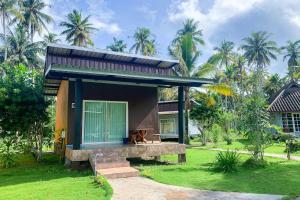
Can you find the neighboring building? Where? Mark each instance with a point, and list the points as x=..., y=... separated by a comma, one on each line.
x=285, y=108
x=168, y=118
x=103, y=95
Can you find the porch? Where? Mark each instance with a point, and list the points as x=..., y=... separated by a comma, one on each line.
x=127, y=151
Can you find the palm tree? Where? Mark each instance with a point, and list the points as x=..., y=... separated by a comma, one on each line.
x=259, y=50
x=78, y=30
x=21, y=50
x=273, y=84
x=51, y=38
x=117, y=45
x=35, y=20
x=7, y=8
x=190, y=27
x=292, y=52
x=224, y=55
x=144, y=42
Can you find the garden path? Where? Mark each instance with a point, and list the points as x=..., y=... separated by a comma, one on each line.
x=140, y=188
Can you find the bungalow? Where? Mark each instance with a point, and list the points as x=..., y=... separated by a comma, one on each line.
x=168, y=119
x=104, y=97
x=285, y=108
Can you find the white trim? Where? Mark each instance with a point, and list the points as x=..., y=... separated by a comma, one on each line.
x=167, y=112
x=83, y=116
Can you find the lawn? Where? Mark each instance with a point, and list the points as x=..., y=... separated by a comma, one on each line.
x=49, y=180
x=279, y=177
x=239, y=144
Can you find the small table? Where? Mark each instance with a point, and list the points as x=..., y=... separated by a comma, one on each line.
x=141, y=133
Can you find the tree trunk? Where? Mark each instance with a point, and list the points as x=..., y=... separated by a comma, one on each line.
x=4, y=35
x=186, y=115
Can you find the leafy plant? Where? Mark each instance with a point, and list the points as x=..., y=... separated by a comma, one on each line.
x=216, y=132
x=8, y=151
x=255, y=163
x=227, y=161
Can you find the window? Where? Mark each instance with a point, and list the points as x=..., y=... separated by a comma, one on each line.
x=167, y=126
x=287, y=122
x=297, y=122
x=104, y=121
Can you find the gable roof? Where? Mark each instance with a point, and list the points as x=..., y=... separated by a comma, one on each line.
x=287, y=99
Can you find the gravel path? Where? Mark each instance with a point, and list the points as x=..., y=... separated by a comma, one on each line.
x=140, y=188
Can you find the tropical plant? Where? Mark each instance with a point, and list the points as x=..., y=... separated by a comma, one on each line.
x=292, y=52
x=216, y=132
x=227, y=161
x=226, y=121
x=78, y=29
x=117, y=45
x=144, y=42
x=34, y=19
x=7, y=8
x=51, y=38
x=21, y=50
x=259, y=51
x=190, y=27
x=273, y=85
x=23, y=107
x=205, y=113
x=224, y=55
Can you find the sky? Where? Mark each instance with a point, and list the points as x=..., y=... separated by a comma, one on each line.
x=219, y=20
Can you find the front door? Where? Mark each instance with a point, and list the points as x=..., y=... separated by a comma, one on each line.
x=296, y=119
x=104, y=122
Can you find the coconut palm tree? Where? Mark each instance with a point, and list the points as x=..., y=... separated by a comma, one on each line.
x=78, y=29
x=51, y=38
x=190, y=27
x=21, y=50
x=144, y=42
x=259, y=51
x=117, y=45
x=7, y=8
x=292, y=52
x=224, y=55
x=34, y=19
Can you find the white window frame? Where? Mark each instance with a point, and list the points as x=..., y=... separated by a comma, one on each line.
x=296, y=133
x=83, y=117
x=174, y=121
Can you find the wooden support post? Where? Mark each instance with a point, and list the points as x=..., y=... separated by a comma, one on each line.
x=78, y=113
x=180, y=115
x=181, y=158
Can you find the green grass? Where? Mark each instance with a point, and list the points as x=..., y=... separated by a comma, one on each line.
x=49, y=180
x=279, y=177
x=239, y=144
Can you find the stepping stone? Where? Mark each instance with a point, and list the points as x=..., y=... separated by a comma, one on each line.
x=118, y=172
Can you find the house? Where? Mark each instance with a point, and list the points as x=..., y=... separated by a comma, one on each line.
x=168, y=119
x=285, y=108
x=102, y=96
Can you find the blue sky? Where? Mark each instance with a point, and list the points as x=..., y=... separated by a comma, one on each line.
x=219, y=19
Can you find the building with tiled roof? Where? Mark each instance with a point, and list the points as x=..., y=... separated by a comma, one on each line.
x=285, y=108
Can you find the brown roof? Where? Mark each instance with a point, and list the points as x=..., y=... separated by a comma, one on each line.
x=287, y=99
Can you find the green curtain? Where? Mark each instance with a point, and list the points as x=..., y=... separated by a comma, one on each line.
x=104, y=122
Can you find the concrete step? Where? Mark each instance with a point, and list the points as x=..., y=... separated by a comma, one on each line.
x=112, y=165
x=118, y=172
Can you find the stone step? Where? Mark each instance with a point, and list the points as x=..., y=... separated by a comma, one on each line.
x=112, y=165
x=118, y=172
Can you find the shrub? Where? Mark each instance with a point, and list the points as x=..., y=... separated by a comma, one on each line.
x=216, y=132
x=255, y=163
x=227, y=161
x=8, y=153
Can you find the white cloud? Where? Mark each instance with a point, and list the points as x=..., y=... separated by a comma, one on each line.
x=102, y=16
x=220, y=12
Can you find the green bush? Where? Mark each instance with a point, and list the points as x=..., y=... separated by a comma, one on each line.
x=8, y=153
x=255, y=163
x=227, y=161
x=216, y=132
